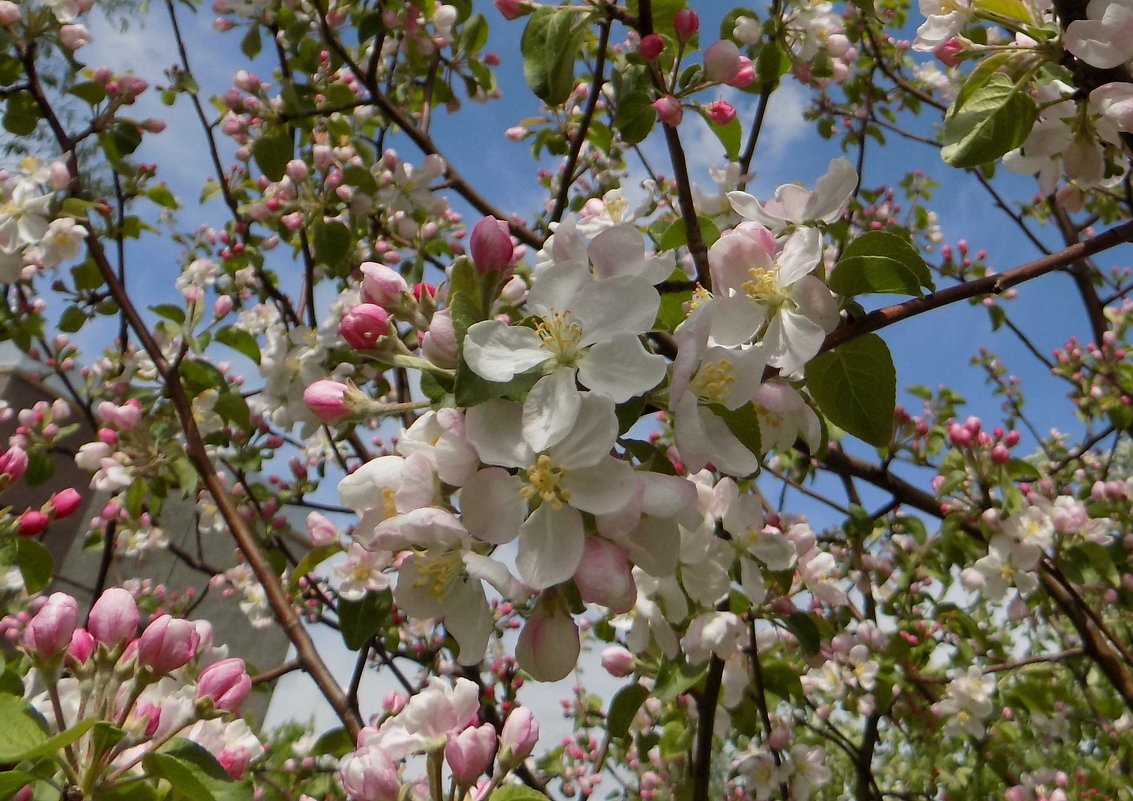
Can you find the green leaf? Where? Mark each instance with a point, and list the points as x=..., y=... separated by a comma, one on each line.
x=880, y=262
x=13, y=781
x=782, y=680
x=634, y=116
x=251, y=44
x=549, y=47
x=676, y=678
x=361, y=620
x=169, y=312
x=194, y=773
x=199, y=376
x=162, y=196
x=332, y=243
x=474, y=35
x=805, y=631
x=312, y=559
x=730, y=134
x=21, y=114
x=72, y=319
x=272, y=152
x=979, y=78
x=240, y=340
x=1012, y=9
x=336, y=742
x=54, y=745
x=234, y=409
x=90, y=91
x=676, y=235
x=623, y=706
x=995, y=120
x=23, y=729
x=36, y=565
x=855, y=386
x=516, y=792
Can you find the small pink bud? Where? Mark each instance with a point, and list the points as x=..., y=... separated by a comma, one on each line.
x=32, y=523
x=951, y=52
x=364, y=325
x=321, y=530
x=73, y=37
x=58, y=176
x=469, y=753
x=518, y=736
x=604, y=576
x=548, y=645
x=686, y=23
x=439, y=342
x=382, y=286
x=9, y=12
x=746, y=74
x=721, y=112
x=328, y=400
x=618, y=661
x=296, y=170
x=370, y=775
x=668, y=110
x=14, y=463
x=167, y=644
x=721, y=61
x=512, y=9
x=491, y=246
x=50, y=631
x=651, y=47
x=66, y=502
x=1000, y=454
x=113, y=618
x=225, y=683
x=81, y=647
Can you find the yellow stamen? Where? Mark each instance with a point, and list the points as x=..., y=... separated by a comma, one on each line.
x=560, y=335
x=763, y=286
x=713, y=381
x=542, y=481
x=437, y=573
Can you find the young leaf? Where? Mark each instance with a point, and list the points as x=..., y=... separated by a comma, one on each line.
x=549, y=47
x=361, y=620
x=880, y=262
x=855, y=386
x=623, y=706
x=996, y=119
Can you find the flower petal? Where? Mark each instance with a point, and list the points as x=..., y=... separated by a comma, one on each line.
x=498, y=352
x=550, y=409
x=620, y=368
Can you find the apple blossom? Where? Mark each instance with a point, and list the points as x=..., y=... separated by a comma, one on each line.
x=113, y=618
x=225, y=684
x=167, y=644
x=49, y=632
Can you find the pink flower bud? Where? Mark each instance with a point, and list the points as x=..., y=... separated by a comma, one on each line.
x=321, y=530
x=66, y=502
x=14, y=463
x=721, y=61
x=167, y=644
x=328, y=400
x=548, y=645
x=618, y=661
x=113, y=618
x=32, y=523
x=81, y=646
x=518, y=736
x=746, y=74
x=225, y=683
x=603, y=576
x=512, y=9
x=491, y=245
x=73, y=37
x=50, y=631
x=364, y=325
x=686, y=23
x=951, y=52
x=651, y=47
x=382, y=286
x=668, y=110
x=58, y=176
x=470, y=753
x=369, y=775
x=721, y=112
x=9, y=12
x=296, y=170
x=439, y=342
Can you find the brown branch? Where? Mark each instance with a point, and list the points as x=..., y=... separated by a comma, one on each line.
x=989, y=285
x=583, y=124
x=706, y=719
